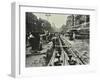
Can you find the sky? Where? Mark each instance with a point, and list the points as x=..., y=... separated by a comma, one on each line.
x=55, y=19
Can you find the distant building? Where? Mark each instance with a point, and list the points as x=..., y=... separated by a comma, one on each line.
x=78, y=21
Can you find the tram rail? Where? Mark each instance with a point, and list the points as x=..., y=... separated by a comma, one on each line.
x=65, y=54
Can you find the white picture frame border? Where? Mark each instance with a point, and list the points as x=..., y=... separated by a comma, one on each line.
x=17, y=69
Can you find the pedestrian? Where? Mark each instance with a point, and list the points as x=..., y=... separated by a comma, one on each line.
x=31, y=40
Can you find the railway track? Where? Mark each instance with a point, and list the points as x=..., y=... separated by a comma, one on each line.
x=59, y=57
x=65, y=54
x=75, y=53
